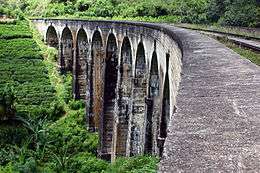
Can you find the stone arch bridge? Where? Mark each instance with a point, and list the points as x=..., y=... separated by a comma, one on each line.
x=129, y=74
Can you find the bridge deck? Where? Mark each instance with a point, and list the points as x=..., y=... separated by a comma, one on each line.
x=217, y=123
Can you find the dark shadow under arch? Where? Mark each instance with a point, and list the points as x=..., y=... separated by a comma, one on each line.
x=66, y=58
x=52, y=37
x=109, y=96
x=165, y=116
x=140, y=65
x=153, y=93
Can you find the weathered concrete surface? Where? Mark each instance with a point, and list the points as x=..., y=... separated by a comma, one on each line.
x=217, y=124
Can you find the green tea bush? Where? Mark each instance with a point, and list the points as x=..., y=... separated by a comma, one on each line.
x=70, y=131
x=22, y=67
x=85, y=162
x=67, y=81
x=15, y=30
x=57, y=109
x=7, y=103
x=76, y=104
x=146, y=164
x=21, y=48
x=12, y=134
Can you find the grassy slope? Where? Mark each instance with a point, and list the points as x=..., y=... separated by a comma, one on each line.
x=254, y=57
x=22, y=67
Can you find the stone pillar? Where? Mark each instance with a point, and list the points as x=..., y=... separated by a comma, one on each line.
x=89, y=92
x=74, y=69
x=98, y=85
x=139, y=105
x=125, y=107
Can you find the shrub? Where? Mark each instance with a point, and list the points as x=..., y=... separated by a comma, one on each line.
x=15, y=30
x=85, y=162
x=7, y=169
x=22, y=67
x=56, y=110
x=237, y=13
x=71, y=131
x=67, y=81
x=7, y=103
x=29, y=166
x=102, y=8
x=76, y=104
x=146, y=164
x=12, y=134
x=55, y=9
x=83, y=5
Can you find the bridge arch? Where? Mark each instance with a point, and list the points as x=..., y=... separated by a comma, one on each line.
x=66, y=50
x=111, y=63
x=139, y=93
x=80, y=83
x=97, y=84
x=152, y=104
x=124, y=101
x=52, y=37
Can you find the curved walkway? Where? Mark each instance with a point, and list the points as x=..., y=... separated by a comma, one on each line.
x=216, y=127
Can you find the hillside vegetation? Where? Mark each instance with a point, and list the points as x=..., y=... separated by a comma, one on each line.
x=22, y=70
x=224, y=12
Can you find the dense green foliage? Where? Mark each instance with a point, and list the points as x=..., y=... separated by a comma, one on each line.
x=225, y=12
x=7, y=107
x=236, y=12
x=134, y=164
x=14, y=30
x=23, y=69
